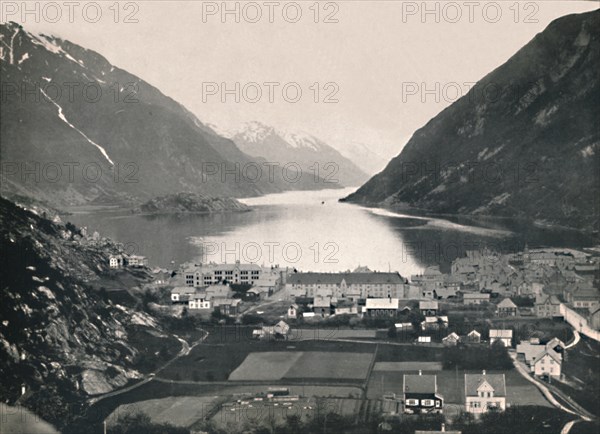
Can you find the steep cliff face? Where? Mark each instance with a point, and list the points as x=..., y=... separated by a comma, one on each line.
x=524, y=142
x=61, y=339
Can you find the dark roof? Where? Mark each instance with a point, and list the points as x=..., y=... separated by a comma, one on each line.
x=473, y=381
x=351, y=278
x=420, y=383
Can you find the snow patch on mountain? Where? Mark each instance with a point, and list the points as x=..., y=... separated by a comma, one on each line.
x=301, y=140
x=65, y=120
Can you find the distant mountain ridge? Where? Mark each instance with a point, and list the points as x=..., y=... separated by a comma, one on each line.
x=309, y=152
x=76, y=129
x=529, y=151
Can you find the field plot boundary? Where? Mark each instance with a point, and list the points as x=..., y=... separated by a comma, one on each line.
x=331, y=365
x=407, y=366
x=181, y=411
x=265, y=366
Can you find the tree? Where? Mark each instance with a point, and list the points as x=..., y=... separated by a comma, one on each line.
x=392, y=333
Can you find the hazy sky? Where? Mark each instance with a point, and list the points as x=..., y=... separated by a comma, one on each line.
x=374, y=51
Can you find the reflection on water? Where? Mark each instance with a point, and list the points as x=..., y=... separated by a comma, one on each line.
x=313, y=231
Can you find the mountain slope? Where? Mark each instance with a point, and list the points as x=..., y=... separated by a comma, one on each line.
x=60, y=338
x=524, y=142
x=310, y=153
x=77, y=129
x=364, y=156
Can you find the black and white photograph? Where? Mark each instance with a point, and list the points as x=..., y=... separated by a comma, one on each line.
x=299, y=217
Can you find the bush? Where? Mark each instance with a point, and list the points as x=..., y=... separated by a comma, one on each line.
x=141, y=423
x=251, y=319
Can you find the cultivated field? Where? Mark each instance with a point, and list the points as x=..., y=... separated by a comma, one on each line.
x=234, y=417
x=271, y=365
x=331, y=333
x=407, y=366
x=276, y=365
x=333, y=366
x=180, y=411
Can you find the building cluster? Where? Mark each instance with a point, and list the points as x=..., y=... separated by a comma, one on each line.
x=421, y=395
x=210, y=287
x=542, y=359
x=124, y=260
x=548, y=277
x=206, y=299
x=360, y=292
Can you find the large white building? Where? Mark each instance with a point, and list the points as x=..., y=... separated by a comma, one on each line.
x=209, y=274
x=347, y=285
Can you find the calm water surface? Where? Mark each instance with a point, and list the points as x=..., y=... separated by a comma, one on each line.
x=313, y=231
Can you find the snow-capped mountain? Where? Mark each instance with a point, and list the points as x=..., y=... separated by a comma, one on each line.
x=309, y=152
x=364, y=155
x=67, y=108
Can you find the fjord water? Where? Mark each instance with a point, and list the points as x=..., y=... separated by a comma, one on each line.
x=311, y=230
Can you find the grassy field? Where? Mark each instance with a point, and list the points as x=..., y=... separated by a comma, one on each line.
x=179, y=411
x=224, y=351
x=236, y=417
x=582, y=371
x=331, y=333
x=303, y=365
x=409, y=353
x=331, y=365
x=270, y=365
x=407, y=366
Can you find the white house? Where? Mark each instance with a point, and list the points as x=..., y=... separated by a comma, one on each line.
x=474, y=336
x=502, y=335
x=475, y=298
x=292, y=311
x=549, y=362
x=181, y=294
x=381, y=306
x=115, y=261
x=485, y=393
x=451, y=340
x=137, y=261
x=199, y=301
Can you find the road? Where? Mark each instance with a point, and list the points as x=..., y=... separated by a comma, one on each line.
x=547, y=390
x=576, y=339
x=184, y=351
x=261, y=383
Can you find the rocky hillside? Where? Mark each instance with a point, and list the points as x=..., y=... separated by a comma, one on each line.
x=183, y=203
x=524, y=142
x=76, y=129
x=61, y=339
x=313, y=156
